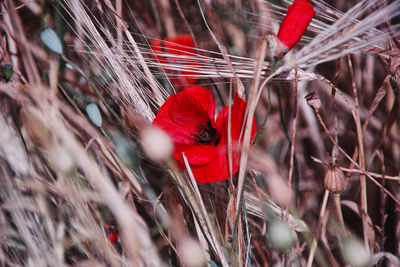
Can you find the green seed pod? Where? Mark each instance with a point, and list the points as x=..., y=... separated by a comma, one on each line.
x=94, y=114
x=51, y=40
x=8, y=72
x=280, y=236
x=354, y=253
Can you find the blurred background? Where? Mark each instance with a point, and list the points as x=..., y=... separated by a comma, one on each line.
x=82, y=82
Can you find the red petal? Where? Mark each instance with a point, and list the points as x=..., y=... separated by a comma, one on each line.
x=113, y=237
x=156, y=46
x=238, y=111
x=196, y=155
x=112, y=233
x=217, y=169
x=181, y=45
x=298, y=17
x=182, y=113
x=184, y=79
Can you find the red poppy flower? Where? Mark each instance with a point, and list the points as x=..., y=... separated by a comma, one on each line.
x=189, y=118
x=296, y=21
x=182, y=53
x=112, y=234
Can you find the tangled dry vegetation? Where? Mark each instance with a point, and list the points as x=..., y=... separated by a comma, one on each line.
x=319, y=186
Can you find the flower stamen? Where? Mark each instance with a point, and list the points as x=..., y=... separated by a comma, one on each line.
x=206, y=134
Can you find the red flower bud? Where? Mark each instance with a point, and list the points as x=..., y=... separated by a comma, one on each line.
x=112, y=234
x=297, y=18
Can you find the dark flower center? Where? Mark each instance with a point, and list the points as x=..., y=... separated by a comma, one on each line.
x=206, y=134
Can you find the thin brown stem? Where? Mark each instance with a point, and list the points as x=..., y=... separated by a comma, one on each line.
x=293, y=137
x=368, y=173
x=377, y=100
x=363, y=171
x=338, y=206
x=361, y=158
x=382, y=202
x=151, y=80
x=167, y=18
x=316, y=236
x=332, y=103
x=118, y=7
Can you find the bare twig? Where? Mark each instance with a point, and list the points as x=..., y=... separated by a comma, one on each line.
x=293, y=136
x=317, y=233
x=361, y=159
